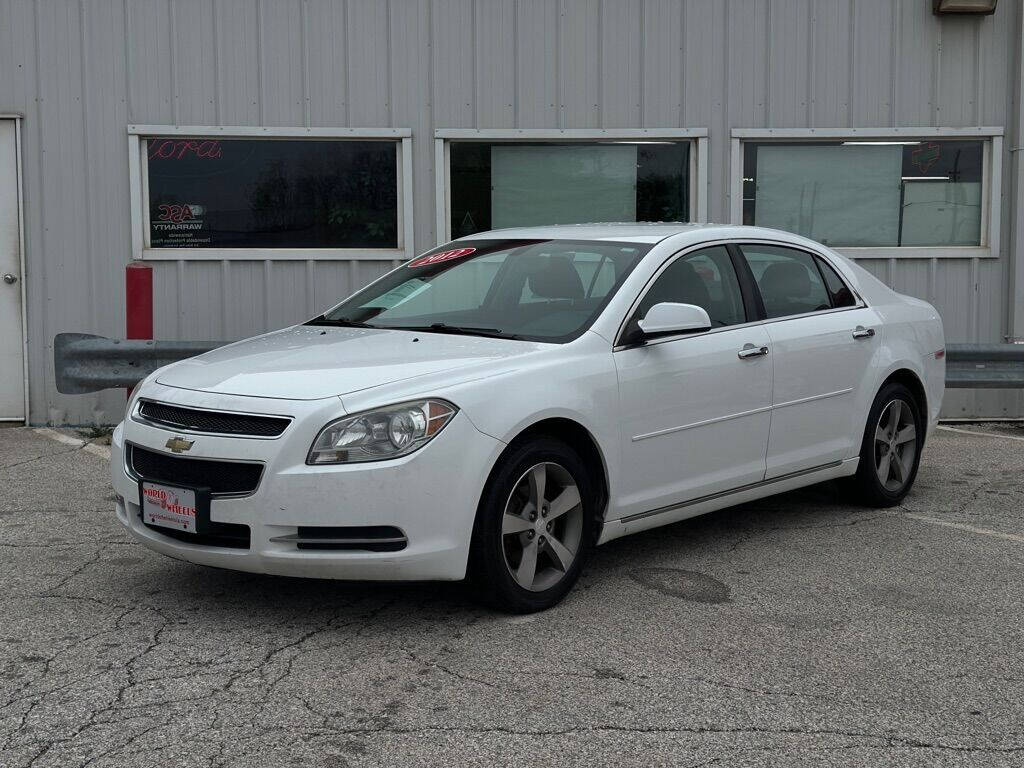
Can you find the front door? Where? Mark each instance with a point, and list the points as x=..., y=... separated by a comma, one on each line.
x=12, y=350
x=695, y=414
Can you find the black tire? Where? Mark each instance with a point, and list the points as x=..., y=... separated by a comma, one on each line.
x=489, y=571
x=866, y=484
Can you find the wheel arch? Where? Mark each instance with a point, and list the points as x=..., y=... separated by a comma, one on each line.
x=576, y=436
x=911, y=381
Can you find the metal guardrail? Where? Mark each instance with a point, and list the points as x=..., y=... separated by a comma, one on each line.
x=86, y=363
x=985, y=366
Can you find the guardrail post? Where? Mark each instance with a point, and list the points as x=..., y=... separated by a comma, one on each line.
x=138, y=303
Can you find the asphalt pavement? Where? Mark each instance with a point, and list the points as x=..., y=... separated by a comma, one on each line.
x=798, y=631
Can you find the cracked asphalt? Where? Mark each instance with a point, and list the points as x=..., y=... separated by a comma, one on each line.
x=797, y=631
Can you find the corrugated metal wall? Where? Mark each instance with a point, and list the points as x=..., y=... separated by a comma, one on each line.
x=82, y=70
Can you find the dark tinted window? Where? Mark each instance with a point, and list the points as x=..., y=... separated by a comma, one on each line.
x=513, y=184
x=705, y=278
x=263, y=193
x=840, y=294
x=789, y=281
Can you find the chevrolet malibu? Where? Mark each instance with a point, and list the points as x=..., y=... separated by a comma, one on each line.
x=499, y=406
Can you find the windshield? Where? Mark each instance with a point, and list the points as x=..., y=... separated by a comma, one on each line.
x=540, y=290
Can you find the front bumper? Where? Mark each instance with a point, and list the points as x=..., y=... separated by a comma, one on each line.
x=430, y=495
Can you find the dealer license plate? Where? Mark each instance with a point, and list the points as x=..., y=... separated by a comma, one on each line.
x=169, y=507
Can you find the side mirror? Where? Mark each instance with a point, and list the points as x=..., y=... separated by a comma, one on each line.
x=669, y=318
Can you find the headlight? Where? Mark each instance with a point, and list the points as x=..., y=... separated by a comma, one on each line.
x=385, y=433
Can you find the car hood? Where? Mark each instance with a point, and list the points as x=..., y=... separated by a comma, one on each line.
x=313, y=362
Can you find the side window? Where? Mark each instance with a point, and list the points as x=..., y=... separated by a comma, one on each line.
x=840, y=294
x=789, y=281
x=705, y=278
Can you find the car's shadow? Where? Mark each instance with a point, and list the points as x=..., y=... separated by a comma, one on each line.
x=231, y=593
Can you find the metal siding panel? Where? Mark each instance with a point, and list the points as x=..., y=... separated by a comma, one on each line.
x=150, y=62
x=411, y=107
x=452, y=52
x=872, y=59
x=368, y=44
x=916, y=43
x=244, y=292
x=788, y=71
x=537, y=64
x=706, y=52
x=281, y=63
x=830, y=63
x=326, y=49
x=748, y=57
x=579, y=57
x=957, y=84
x=661, y=67
x=237, y=74
x=495, y=63
x=191, y=28
x=621, y=81
x=996, y=35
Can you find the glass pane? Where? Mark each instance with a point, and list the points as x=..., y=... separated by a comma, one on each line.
x=263, y=193
x=867, y=193
x=496, y=185
x=789, y=282
x=705, y=278
x=548, y=290
x=841, y=295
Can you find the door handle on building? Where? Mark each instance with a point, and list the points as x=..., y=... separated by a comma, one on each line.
x=10, y=279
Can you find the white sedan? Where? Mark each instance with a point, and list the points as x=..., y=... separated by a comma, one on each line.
x=497, y=407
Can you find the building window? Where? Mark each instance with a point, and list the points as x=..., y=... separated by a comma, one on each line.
x=496, y=184
x=868, y=193
x=279, y=193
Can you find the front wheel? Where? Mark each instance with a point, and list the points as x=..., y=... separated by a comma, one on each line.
x=535, y=527
x=891, y=449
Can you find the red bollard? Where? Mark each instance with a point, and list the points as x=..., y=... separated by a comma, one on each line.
x=138, y=304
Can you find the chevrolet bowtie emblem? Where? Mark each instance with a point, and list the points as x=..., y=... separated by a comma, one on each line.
x=179, y=444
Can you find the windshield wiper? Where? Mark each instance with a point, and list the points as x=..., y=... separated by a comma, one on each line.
x=464, y=330
x=342, y=322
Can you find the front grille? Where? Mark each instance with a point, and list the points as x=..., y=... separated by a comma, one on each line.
x=223, y=478
x=230, y=535
x=214, y=422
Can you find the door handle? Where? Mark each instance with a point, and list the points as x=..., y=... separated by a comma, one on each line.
x=860, y=332
x=10, y=279
x=749, y=350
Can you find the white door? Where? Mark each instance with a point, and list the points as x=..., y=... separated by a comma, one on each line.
x=12, y=370
x=820, y=358
x=695, y=414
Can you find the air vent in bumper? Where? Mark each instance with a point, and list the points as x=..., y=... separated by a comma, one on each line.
x=366, y=538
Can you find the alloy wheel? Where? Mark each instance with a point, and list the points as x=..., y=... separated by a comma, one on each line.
x=542, y=526
x=895, y=445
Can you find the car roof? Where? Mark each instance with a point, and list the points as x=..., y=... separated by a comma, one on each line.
x=635, y=232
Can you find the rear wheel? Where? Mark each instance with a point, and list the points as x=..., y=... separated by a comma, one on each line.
x=535, y=528
x=891, y=449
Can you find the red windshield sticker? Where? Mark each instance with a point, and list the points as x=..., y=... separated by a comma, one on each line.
x=435, y=258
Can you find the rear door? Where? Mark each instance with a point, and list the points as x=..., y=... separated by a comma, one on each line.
x=822, y=339
x=12, y=368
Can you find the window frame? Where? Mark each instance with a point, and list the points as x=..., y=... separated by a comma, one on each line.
x=698, y=170
x=138, y=171
x=992, y=154
x=748, y=285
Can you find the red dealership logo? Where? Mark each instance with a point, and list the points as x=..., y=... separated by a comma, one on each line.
x=176, y=149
